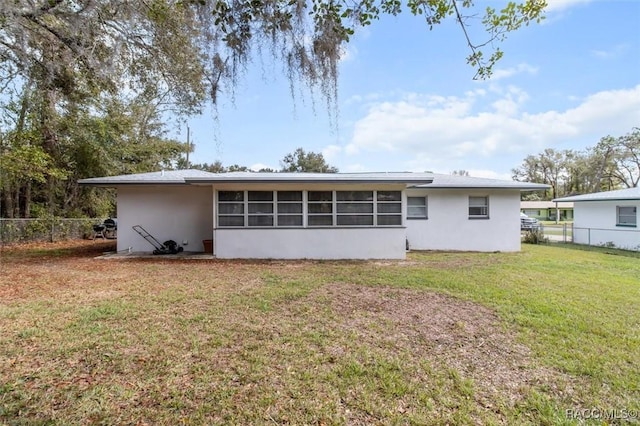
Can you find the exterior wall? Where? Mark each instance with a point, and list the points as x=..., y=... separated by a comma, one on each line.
x=186, y=213
x=535, y=213
x=595, y=224
x=180, y=213
x=337, y=242
x=448, y=226
x=566, y=214
x=310, y=243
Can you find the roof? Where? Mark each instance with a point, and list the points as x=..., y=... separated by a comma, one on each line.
x=301, y=177
x=545, y=205
x=416, y=180
x=620, y=194
x=161, y=177
x=456, y=181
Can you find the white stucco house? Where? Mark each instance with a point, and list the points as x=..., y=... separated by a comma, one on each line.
x=317, y=215
x=607, y=218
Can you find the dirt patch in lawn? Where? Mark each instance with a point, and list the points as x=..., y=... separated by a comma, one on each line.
x=446, y=332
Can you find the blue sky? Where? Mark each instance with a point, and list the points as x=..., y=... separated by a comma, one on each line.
x=408, y=101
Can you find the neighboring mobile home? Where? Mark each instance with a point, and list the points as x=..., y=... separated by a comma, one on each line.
x=607, y=218
x=317, y=215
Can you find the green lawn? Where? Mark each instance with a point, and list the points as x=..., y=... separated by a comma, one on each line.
x=442, y=338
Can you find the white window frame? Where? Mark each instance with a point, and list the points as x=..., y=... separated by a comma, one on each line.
x=376, y=200
x=280, y=203
x=260, y=214
x=355, y=203
x=474, y=203
x=242, y=214
x=631, y=214
x=424, y=205
x=331, y=214
x=380, y=204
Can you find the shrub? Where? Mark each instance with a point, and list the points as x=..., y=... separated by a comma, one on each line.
x=535, y=236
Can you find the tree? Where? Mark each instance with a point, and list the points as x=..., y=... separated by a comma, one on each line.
x=215, y=167
x=85, y=60
x=612, y=163
x=184, y=49
x=624, y=155
x=301, y=161
x=237, y=168
x=96, y=140
x=548, y=167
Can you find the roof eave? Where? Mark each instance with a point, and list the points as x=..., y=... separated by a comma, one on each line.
x=308, y=181
x=515, y=188
x=566, y=200
x=107, y=184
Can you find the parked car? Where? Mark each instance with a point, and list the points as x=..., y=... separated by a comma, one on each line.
x=528, y=223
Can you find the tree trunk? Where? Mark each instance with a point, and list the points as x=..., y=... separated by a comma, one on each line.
x=16, y=202
x=7, y=196
x=27, y=201
x=49, y=140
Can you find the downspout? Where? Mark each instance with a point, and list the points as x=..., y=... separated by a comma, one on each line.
x=213, y=222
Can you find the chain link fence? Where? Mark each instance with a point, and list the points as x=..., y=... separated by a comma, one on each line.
x=622, y=238
x=45, y=229
x=559, y=233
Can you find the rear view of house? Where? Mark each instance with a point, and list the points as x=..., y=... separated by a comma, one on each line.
x=318, y=215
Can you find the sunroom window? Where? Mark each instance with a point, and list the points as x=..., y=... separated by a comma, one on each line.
x=260, y=208
x=354, y=208
x=389, y=208
x=323, y=208
x=320, y=208
x=230, y=208
x=289, y=207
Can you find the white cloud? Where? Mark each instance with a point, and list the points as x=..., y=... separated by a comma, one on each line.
x=331, y=151
x=257, y=166
x=561, y=5
x=501, y=73
x=510, y=104
x=447, y=133
x=613, y=52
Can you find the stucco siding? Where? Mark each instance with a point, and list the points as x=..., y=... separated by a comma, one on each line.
x=186, y=213
x=309, y=243
x=595, y=224
x=179, y=213
x=449, y=227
